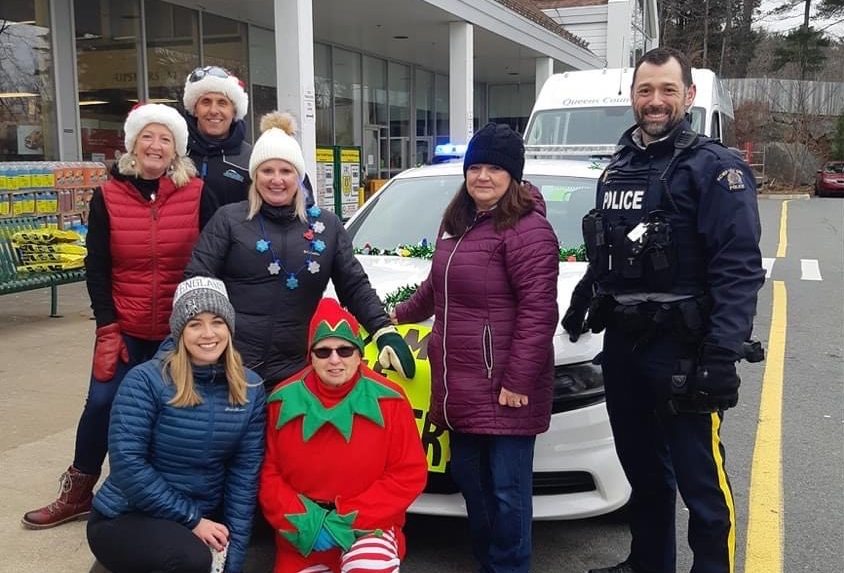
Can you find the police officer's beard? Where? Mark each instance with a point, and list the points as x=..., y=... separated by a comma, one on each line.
x=657, y=129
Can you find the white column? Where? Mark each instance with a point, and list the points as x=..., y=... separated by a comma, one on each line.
x=618, y=33
x=544, y=70
x=294, y=56
x=460, y=81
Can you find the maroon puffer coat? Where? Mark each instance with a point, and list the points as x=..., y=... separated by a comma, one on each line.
x=494, y=299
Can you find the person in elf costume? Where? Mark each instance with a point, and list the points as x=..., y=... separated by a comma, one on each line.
x=343, y=457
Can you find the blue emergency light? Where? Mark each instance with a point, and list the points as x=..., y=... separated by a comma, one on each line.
x=448, y=152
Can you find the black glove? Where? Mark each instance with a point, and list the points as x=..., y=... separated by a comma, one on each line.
x=574, y=320
x=715, y=383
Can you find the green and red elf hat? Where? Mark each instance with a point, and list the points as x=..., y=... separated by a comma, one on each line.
x=333, y=321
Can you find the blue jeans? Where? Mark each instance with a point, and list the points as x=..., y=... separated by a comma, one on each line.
x=495, y=476
x=92, y=432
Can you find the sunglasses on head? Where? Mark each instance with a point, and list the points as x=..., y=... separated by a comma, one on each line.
x=215, y=71
x=342, y=351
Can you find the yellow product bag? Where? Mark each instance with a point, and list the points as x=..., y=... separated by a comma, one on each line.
x=45, y=237
x=30, y=258
x=63, y=248
x=50, y=267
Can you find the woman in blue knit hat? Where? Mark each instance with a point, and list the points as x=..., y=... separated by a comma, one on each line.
x=493, y=292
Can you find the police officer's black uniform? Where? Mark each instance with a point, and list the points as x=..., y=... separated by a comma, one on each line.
x=674, y=270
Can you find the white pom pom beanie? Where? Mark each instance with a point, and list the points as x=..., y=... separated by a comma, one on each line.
x=230, y=86
x=144, y=114
x=274, y=143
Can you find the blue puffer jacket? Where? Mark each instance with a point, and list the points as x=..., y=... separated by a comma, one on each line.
x=183, y=464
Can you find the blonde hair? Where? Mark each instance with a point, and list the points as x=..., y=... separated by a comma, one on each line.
x=179, y=172
x=286, y=123
x=178, y=368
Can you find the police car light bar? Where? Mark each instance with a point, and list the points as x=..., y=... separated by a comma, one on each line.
x=451, y=149
x=562, y=151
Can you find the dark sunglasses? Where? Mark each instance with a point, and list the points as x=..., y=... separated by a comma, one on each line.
x=342, y=351
x=215, y=71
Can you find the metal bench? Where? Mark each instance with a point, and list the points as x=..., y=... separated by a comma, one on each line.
x=11, y=281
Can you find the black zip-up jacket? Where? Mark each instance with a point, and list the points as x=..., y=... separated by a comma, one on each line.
x=271, y=329
x=223, y=164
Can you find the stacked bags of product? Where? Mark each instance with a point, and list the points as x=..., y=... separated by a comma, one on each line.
x=42, y=250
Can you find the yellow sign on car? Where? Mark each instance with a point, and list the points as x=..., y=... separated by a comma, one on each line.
x=418, y=390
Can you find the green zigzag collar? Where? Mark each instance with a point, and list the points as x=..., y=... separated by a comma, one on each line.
x=298, y=400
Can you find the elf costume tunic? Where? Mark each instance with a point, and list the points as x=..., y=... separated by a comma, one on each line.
x=345, y=458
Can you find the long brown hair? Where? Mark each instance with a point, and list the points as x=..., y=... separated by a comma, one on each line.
x=512, y=206
x=178, y=368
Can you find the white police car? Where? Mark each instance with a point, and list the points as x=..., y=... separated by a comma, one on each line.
x=576, y=471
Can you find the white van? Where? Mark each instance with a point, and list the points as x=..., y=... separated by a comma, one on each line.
x=592, y=107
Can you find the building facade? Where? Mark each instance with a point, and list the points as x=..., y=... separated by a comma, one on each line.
x=394, y=78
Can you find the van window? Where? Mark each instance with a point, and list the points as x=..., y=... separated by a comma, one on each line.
x=590, y=125
x=716, y=126
x=579, y=125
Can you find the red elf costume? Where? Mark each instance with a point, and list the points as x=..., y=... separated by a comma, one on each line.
x=342, y=463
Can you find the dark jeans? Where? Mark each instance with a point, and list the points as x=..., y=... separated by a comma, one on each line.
x=138, y=543
x=92, y=432
x=661, y=453
x=495, y=476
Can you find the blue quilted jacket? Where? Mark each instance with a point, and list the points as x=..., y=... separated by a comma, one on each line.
x=183, y=464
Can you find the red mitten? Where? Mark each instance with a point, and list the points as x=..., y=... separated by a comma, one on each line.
x=108, y=349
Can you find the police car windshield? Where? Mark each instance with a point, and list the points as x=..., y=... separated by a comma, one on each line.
x=587, y=125
x=410, y=210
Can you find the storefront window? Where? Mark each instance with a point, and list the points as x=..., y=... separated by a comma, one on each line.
x=172, y=49
x=511, y=104
x=479, y=107
x=347, y=97
x=424, y=91
x=399, y=100
x=322, y=91
x=441, y=109
x=107, y=32
x=27, y=93
x=262, y=97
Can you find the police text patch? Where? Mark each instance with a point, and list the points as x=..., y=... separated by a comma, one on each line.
x=733, y=179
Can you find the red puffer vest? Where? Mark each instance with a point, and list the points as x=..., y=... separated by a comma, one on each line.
x=151, y=243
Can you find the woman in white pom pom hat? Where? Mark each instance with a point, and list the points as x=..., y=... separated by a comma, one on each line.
x=142, y=225
x=276, y=256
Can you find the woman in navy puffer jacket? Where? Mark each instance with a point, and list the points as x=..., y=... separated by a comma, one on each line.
x=185, y=449
x=493, y=292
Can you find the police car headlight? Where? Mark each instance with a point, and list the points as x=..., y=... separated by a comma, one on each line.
x=577, y=386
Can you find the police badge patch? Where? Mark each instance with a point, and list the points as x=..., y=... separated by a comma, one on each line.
x=733, y=179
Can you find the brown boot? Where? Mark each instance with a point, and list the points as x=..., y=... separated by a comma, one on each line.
x=74, y=501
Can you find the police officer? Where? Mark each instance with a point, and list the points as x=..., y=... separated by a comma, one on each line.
x=674, y=270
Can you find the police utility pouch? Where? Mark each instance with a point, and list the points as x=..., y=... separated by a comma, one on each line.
x=592, y=226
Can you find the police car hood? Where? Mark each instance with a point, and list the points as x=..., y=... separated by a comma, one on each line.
x=388, y=273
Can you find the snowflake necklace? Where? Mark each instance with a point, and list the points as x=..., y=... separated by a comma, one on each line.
x=276, y=266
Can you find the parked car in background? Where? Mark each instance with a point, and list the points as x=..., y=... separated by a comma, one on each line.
x=576, y=471
x=830, y=179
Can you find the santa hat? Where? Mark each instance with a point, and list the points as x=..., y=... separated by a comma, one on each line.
x=277, y=142
x=333, y=321
x=144, y=114
x=215, y=79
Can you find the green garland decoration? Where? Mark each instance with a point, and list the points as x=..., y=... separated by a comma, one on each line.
x=426, y=251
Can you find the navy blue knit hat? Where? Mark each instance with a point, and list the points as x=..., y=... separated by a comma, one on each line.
x=497, y=144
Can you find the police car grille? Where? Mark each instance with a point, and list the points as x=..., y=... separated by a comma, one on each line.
x=544, y=483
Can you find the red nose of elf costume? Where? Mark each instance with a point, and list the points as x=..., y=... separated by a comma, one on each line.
x=333, y=321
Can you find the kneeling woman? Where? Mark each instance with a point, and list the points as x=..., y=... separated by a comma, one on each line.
x=185, y=448
x=344, y=459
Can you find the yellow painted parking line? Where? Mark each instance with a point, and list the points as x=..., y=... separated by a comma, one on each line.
x=765, y=518
x=783, y=244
